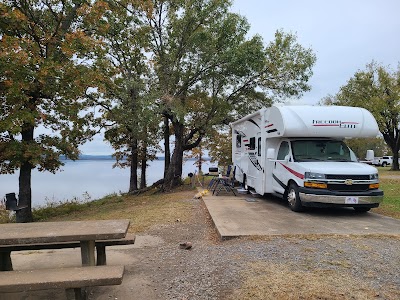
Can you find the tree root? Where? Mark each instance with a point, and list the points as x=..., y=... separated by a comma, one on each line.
x=158, y=186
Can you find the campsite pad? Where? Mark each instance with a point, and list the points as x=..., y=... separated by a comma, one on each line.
x=236, y=216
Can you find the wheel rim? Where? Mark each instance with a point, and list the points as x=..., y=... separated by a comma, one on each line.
x=291, y=197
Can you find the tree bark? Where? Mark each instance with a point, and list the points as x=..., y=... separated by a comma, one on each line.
x=173, y=176
x=25, y=174
x=143, y=166
x=133, y=180
x=392, y=140
x=167, y=151
x=200, y=160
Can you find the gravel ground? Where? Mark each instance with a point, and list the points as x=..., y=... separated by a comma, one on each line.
x=360, y=267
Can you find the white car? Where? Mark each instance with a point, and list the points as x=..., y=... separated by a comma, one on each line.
x=383, y=161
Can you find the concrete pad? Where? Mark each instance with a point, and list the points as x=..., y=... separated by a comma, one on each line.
x=244, y=215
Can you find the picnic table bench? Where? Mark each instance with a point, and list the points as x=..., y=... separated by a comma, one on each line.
x=88, y=235
x=73, y=280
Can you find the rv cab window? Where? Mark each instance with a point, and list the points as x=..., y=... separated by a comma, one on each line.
x=320, y=150
x=259, y=146
x=283, y=151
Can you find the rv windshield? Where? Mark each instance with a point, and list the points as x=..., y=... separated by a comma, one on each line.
x=320, y=150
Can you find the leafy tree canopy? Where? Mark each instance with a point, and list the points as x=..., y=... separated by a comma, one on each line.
x=48, y=79
x=377, y=88
x=46, y=71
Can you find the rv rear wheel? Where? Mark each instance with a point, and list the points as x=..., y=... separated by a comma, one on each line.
x=293, y=197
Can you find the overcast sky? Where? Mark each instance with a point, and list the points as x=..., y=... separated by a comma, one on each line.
x=345, y=35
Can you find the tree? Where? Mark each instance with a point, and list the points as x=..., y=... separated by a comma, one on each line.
x=198, y=154
x=208, y=72
x=219, y=143
x=378, y=90
x=131, y=122
x=47, y=74
x=361, y=145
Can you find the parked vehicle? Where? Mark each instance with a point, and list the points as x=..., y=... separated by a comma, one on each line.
x=383, y=161
x=298, y=153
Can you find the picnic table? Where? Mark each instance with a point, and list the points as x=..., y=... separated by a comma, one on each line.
x=42, y=235
x=86, y=232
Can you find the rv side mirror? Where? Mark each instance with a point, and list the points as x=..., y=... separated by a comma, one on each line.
x=270, y=153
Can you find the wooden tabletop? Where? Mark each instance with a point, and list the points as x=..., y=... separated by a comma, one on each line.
x=66, y=231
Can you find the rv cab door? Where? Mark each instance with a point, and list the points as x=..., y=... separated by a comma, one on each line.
x=280, y=172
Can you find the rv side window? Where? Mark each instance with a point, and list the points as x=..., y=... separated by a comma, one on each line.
x=238, y=141
x=252, y=145
x=259, y=146
x=283, y=151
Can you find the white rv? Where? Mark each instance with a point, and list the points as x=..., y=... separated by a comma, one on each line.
x=299, y=154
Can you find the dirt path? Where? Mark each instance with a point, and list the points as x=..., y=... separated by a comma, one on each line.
x=308, y=267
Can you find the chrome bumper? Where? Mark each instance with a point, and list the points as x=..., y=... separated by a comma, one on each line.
x=341, y=200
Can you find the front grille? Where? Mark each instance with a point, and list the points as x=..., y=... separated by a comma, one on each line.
x=344, y=177
x=347, y=188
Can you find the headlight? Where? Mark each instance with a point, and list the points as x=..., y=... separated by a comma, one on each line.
x=374, y=176
x=311, y=175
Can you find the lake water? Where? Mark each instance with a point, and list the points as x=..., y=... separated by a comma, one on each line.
x=84, y=180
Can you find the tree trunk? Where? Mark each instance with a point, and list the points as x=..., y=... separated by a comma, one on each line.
x=173, y=176
x=25, y=194
x=143, y=166
x=200, y=160
x=395, y=164
x=167, y=151
x=25, y=174
x=392, y=140
x=133, y=180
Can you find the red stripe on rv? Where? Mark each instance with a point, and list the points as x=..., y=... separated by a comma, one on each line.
x=269, y=125
x=332, y=125
x=297, y=174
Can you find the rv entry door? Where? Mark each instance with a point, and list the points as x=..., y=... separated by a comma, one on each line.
x=280, y=173
x=259, y=184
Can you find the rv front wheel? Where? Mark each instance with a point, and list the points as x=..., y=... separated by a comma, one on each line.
x=293, y=197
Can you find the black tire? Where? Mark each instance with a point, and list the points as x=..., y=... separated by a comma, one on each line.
x=361, y=209
x=384, y=164
x=293, y=198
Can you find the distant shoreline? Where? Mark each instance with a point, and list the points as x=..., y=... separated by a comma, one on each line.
x=110, y=157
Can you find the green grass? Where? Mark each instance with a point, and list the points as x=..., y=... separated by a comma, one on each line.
x=390, y=184
x=391, y=200
x=143, y=211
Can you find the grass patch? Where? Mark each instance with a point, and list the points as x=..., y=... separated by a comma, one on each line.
x=264, y=280
x=391, y=201
x=386, y=171
x=144, y=211
x=5, y=216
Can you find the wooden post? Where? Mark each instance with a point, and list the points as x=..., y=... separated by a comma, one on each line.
x=76, y=294
x=5, y=261
x=101, y=255
x=87, y=253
